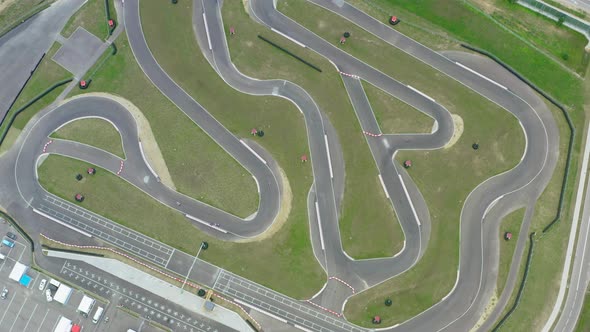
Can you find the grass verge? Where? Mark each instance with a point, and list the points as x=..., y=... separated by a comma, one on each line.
x=458, y=20
x=584, y=322
x=363, y=209
x=92, y=17
x=394, y=116
x=218, y=179
x=443, y=189
x=95, y=132
x=511, y=223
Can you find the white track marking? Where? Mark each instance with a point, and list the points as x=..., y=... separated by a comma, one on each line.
x=207, y=32
x=253, y=152
x=383, y=185
x=317, y=212
x=290, y=38
x=481, y=75
x=329, y=159
x=421, y=93
x=61, y=223
x=409, y=200
x=261, y=310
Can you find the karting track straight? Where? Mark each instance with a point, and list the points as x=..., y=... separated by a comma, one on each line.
x=481, y=213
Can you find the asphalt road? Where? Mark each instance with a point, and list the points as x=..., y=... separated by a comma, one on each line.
x=480, y=217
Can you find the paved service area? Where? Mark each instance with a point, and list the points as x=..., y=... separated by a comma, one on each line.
x=27, y=309
x=78, y=52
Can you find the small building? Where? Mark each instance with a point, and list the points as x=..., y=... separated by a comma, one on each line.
x=63, y=293
x=86, y=305
x=91, y=171
x=342, y=40
x=79, y=198
x=376, y=320
x=254, y=131
x=232, y=31
x=111, y=23
x=304, y=158
x=83, y=84
x=507, y=236
x=25, y=280
x=63, y=325
x=17, y=271
x=407, y=163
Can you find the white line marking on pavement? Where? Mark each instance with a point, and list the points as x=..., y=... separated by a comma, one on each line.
x=146, y=161
x=205, y=223
x=572, y=239
x=302, y=328
x=31, y=316
x=421, y=93
x=383, y=185
x=254, y=152
x=257, y=184
x=290, y=38
x=169, y=257
x=261, y=311
x=317, y=212
x=409, y=200
x=482, y=76
x=43, y=321
x=9, y=304
x=491, y=206
x=17, y=314
x=329, y=160
x=207, y=31
x=61, y=222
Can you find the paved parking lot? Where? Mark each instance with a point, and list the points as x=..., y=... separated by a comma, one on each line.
x=26, y=309
x=78, y=52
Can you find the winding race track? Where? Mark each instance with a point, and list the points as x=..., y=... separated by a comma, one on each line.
x=482, y=211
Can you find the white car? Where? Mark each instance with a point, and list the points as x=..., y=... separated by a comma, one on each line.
x=42, y=284
x=48, y=295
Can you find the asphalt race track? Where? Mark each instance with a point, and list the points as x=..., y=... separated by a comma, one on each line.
x=482, y=212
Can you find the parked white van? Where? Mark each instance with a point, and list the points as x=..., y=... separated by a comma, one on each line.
x=97, y=315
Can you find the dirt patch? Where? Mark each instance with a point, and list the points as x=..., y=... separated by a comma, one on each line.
x=5, y=3
x=146, y=136
x=486, y=312
x=284, y=211
x=457, y=132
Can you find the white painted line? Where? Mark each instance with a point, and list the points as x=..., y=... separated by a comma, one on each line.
x=453, y=289
x=146, y=161
x=290, y=38
x=526, y=141
x=383, y=185
x=254, y=152
x=421, y=93
x=302, y=328
x=409, y=200
x=43, y=321
x=18, y=314
x=317, y=212
x=329, y=160
x=570, y=245
x=492, y=205
x=32, y=314
x=261, y=310
x=257, y=185
x=482, y=76
x=207, y=31
x=205, y=223
x=61, y=223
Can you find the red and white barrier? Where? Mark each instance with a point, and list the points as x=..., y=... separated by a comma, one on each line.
x=343, y=282
x=121, y=168
x=46, y=145
x=325, y=309
x=371, y=134
x=349, y=75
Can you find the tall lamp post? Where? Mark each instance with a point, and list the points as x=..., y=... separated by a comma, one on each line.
x=204, y=245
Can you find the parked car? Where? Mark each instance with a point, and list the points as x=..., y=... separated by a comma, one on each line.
x=42, y=284
x=4, y=293
x=48, y=296
x=11, y=235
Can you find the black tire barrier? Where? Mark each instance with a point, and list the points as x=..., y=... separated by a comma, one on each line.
x=19, y=229
x=44, y=246
x=22, y=88
x=291, y=54
x=521, y=288
x=29, y=103
x=565, y=114
x=108, y=13
x=201, y=292
x=113, y=49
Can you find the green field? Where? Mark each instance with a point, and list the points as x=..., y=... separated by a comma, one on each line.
x=510, y=223
x=289, y=249
x=363, y=209
x=584, y=322
x=457, y=20
x=394, y=116
x=181, y=141
x=92, y=17
x=95, y=132
x=444, y=191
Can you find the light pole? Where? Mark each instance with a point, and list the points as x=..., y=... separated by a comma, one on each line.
x=204, y=246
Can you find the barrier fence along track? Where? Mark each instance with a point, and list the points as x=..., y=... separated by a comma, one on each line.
x=187, y=283
x=29, y=103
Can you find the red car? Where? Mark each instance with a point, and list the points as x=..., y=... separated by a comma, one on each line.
x=76, y=328
x=393, y=20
